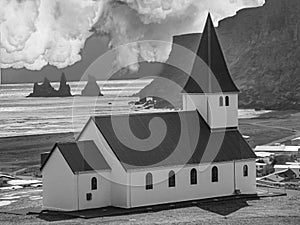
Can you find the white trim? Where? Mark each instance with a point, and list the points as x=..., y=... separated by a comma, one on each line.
x=214, y=93
x=94, y=171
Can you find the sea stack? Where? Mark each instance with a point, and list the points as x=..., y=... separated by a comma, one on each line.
x=64, y=89
x=91, y=88
x=46, y=90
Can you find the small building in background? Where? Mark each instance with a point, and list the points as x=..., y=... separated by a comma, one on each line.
x=294, y=167
x=278, y=149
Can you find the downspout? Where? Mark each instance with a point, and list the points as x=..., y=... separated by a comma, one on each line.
x=130, y=204
x=234, y=177
x=77, y=189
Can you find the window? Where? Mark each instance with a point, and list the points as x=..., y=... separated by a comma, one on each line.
x=245, y=171
x=94, y=183
x=171, y=179
x=149, y=181
x=227, y=100
x=214, y=174
x=88, y=196
x=221, y=103
x=193, y=176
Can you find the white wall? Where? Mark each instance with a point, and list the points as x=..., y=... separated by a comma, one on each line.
x=119, y=178
x=59, y=184
x=208, y=106
x=223, y=116
x=100, y=197
x=191, y=102
x=247, y=185
x=183, y=191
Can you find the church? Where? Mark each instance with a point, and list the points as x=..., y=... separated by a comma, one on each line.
x=146, y=159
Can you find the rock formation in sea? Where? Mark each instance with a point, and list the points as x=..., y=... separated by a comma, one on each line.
x=64, y=89
x=46, y=90
x=91, y=88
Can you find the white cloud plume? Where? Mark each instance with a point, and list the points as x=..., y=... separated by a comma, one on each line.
x=128, y=21
x=39, y=32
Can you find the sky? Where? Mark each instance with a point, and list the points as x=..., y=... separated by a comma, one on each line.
x=53, y=33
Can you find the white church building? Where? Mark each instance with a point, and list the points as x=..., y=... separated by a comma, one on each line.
x=201, y=153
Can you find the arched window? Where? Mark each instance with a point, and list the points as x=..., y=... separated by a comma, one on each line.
x=214, y=174
x=221, y=103
x=94, y=183
x=245, y=171
x=171, y=179
x=227, y=100
x=149, y=181
x=193, y=177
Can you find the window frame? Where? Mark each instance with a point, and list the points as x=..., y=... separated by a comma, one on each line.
x=227, y=101
x=172, y=179
x=89, y=196
x=94, y=183
x=215, y=174
x=149, y=181
x=221, y=101
x=245, y=171
x=193, y=177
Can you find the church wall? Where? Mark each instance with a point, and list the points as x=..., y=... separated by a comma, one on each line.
x=183, y=191
x=223, y=116
x=191, y=102
x=246, y=184
x=59, y=184
x=119, y=178
x=209, y=107
x=101, y=197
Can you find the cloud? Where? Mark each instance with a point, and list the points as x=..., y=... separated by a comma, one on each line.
x=129, y=21
x=35, y=33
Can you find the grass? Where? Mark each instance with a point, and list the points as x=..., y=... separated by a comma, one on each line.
x=275, y=211
x=271, y=126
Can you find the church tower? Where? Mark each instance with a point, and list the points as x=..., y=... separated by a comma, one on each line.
x=210, y=88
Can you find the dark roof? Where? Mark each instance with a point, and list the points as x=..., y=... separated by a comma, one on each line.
x=177, y=138
x=81, y=156
x=210, y=73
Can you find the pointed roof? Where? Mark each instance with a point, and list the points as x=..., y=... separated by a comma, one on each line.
x=82, y=156
x=210, y=73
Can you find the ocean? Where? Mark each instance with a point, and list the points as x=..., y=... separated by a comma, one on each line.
x=30, y=116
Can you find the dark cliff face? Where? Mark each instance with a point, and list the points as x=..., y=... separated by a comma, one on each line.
x=262, y=49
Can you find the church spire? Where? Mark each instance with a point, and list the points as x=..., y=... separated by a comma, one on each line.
x=215, y=76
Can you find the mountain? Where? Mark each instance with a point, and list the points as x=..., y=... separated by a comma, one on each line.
x=262, y=50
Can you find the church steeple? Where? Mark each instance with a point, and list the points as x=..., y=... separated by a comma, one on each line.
x=210, y=89
x=215, y=76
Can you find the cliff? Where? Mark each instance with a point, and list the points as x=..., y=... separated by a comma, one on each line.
x=46, y=90
x=262, y=49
